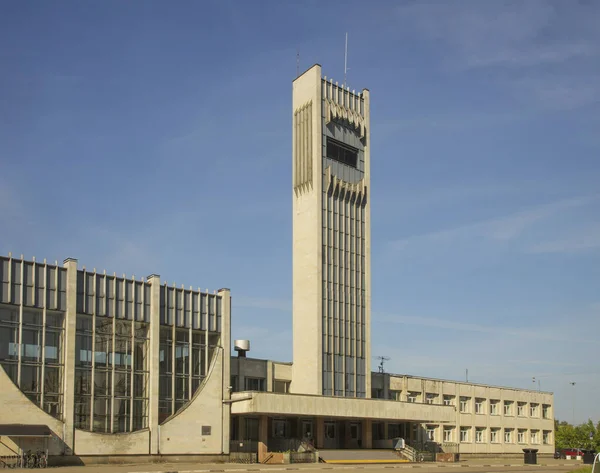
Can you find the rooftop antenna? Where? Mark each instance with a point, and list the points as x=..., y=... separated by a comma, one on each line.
x=346, y=61
x=382, y=360
x=297, y=63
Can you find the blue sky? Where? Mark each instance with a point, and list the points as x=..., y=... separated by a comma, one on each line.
x=155, y=137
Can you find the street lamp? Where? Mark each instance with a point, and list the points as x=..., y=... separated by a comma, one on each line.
x=572, y=383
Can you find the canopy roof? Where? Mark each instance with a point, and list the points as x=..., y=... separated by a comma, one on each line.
x=25, y=430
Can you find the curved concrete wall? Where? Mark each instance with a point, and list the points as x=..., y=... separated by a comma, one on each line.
x=94, y=443
x=182, y=433
x=18, y=409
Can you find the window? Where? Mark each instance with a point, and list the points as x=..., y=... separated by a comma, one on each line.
x=479, y=434
x=495, y=435
x=448, y=434
x=431, y=433
x=412, y=397
x=494, y=407
x=534, y=436
x=465, y=402
x=280, y=386
x=448, y=400
x=479, y=406
x=521, y=409
x=508, y=436
x=377, y=393
x=464, y=434
x=546, y=437
x=341, y=152
x=430, y=398
x=546, y=411
x=508, y=408
x=255, y=384
x=394, y=395
x=521, y=436
x=280, y=428
x=533, y=410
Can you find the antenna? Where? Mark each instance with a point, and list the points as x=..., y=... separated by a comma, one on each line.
x=346, y=61
x=297, y=63
x=382, y=360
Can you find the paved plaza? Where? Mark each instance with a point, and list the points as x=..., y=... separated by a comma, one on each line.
x=471, y=466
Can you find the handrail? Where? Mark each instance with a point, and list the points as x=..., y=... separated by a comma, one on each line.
x=595, y=461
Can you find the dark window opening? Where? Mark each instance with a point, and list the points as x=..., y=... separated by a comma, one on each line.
x=341, y=152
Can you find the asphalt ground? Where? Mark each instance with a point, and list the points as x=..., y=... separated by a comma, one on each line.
x=470, y=466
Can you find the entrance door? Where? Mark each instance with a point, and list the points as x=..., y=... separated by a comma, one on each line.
x=355, y=435
x=307, y=430
x=331, y=435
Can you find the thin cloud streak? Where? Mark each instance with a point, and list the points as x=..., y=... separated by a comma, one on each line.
x=470, y=327
x=500, y=228
x=588, y=239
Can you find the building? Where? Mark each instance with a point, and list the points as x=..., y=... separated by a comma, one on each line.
x=111, y=365
x=101, y=365
x=481, y=419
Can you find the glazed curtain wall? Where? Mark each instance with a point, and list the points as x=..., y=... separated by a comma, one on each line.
x=31, y=353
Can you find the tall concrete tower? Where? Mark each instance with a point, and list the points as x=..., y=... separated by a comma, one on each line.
x=332, y=238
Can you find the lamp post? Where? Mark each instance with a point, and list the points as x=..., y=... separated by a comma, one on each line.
x=572, y=383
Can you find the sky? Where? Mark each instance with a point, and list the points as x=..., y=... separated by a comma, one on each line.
x=149, y=137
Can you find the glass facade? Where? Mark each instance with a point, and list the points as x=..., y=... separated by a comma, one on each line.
x=111, y=349
x=111, y=374
x=343, y=256
x=31, y=353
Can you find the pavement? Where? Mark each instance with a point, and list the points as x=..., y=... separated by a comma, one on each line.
x=472, y=466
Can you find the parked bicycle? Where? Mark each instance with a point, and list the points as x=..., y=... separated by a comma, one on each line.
x=35, y=460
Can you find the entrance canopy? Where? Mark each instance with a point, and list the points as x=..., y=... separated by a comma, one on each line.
x=25, y=430
x=350, y=408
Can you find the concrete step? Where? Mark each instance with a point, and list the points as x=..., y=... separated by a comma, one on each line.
x=360, y=456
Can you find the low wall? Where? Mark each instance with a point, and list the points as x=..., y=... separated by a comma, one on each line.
x=74, y=460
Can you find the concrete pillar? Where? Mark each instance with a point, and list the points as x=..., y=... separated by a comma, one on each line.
x=319, y=432
x=226, y=346
x=69, y=355
x=347, y=438
x=386, y=430
x=386, y=386
x=263, y=436
x=367, y=433
x=241, y=428
x=269, y=376
x=154, y=363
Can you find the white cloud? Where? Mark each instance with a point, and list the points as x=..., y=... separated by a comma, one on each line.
x=451, y=322
x=500, y=228
x=555, y=45
x=583, y=239
x=483, y=34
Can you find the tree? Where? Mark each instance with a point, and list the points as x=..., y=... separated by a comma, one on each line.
x=585, y=436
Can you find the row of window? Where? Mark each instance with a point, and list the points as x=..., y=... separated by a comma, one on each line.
x=468, y=405
x=491, y=435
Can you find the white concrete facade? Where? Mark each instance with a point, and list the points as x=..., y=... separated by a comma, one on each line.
x=480, y=419
x=331, y=238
